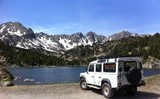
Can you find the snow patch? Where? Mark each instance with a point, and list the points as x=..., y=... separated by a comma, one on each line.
x=2, y=28
x=66, y=43
x=18, y=33
x=19, y=45
x=89, y=42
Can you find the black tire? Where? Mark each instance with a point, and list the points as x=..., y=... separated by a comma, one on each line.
x=134, y=76
x=107, y=90
x=131, y=91
x=83, y=84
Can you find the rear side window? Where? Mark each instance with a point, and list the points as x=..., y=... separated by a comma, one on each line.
x=129, y=64
x=109, y=67
x=91, y=68
x=98, y=67
x=140, y=65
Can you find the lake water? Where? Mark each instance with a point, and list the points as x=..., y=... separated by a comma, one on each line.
x=46, y=75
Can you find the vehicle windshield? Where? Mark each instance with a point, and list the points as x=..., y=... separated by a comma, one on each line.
x=129, y=64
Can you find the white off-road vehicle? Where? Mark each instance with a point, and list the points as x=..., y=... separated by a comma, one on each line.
x=114, y=74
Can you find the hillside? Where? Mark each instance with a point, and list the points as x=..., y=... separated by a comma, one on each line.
x=147, y=47
x=12, y=56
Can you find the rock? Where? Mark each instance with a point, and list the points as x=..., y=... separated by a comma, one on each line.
x=38, y=82
x=6, y=83
x=152, y=63
x=5, y=78
x=17, y=77
x=28, y=80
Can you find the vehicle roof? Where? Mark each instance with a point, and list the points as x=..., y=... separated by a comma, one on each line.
x=109, y=60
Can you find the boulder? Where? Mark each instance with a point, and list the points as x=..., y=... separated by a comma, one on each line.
x=28, y=80
x=5, y=78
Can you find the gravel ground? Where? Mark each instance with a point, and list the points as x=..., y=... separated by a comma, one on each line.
x=73, y=91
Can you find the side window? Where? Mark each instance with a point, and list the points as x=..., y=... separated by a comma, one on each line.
x=91, y=68
x=109, y=67
x=98, y=67
x=129, y=64
x=120, y=66
x=140, y=65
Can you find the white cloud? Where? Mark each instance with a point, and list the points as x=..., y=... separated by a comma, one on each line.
x=63, y=28
x=38, y=29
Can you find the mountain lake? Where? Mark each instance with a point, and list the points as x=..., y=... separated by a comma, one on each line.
x=45, y=75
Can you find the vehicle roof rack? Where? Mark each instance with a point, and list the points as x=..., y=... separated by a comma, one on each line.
x=116, y=56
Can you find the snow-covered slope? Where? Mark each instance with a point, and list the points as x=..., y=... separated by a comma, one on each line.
x=66, y=42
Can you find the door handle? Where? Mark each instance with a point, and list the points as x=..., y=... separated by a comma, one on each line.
x=99, y=77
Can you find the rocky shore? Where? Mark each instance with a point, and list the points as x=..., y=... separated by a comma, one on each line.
x=152, y=63
x=5, y=78
x=73, y=91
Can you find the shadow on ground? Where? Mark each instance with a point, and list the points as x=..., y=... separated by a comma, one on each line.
x=138, y=95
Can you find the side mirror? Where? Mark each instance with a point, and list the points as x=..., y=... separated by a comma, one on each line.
x=120, y=69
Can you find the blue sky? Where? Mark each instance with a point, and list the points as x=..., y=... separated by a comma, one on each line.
x=104, y=17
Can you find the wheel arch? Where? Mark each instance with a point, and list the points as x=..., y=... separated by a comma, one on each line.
x=105, y=81
x=110, y=92
x=82, y=77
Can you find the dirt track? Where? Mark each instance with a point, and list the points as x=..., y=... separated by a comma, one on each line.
x=73, y=91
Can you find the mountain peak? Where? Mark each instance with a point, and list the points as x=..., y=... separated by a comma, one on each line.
x=13, y=28
x=14, y=23
x=122, y=34
x=16, y=28
x=77, y=35
x=90, y=33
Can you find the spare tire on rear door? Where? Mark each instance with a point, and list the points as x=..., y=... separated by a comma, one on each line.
x=134, y=76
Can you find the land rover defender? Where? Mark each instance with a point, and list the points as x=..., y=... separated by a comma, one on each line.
x=122, y=73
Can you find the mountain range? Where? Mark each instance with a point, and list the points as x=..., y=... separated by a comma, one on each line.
x=17, y=35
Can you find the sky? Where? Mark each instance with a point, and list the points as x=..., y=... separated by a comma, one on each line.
x=105, y=17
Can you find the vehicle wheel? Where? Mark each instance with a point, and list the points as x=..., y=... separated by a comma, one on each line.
x=131, y=91
x=107, y=90
x=83, y=84
x=134, y=76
